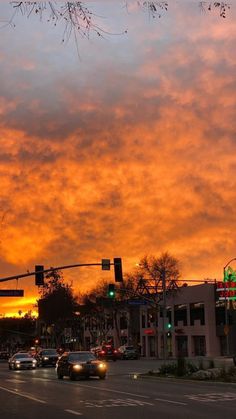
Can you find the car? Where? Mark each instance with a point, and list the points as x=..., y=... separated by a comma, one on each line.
x=22, y=360
x=128, y=352
x=47, y=357
x=106, y=352
x=80, y=364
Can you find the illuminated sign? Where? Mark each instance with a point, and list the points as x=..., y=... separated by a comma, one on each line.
x=149, y=332
x=227, y=287
x=229, y=274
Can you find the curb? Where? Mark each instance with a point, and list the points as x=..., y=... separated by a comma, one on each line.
x=141, y=376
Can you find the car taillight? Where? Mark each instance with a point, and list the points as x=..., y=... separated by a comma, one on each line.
x=115, y=351
x=102, y=352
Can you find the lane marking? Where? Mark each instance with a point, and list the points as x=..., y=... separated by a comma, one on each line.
x=115, y=403
x=42, y=379
x=73, y=412
x=17, y=393
x=113, y=391
x=212, y=397
x=171, y=401
x=15, y=381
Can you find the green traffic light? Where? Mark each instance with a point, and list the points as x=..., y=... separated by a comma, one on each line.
x=169, y=325
x=111, y=291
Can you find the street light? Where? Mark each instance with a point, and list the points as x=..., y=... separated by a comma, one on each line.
x=226, y=308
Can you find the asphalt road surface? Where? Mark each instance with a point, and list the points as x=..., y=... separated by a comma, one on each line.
x=38, y=394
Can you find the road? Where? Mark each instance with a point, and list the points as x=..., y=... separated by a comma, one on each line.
x=38, y=394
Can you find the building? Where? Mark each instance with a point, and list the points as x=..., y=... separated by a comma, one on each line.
x=194, y=325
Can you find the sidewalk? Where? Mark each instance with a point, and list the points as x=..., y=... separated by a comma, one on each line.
x=204, y=361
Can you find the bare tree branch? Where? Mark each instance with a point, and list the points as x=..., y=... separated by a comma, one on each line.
x=219, y=5
x=75, y=15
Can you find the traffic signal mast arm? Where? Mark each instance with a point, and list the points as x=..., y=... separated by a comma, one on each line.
x=9, y=278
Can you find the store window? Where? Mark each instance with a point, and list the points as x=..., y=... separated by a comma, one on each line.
x=180, y=314
x=197, y=312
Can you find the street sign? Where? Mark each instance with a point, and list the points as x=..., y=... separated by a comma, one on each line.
x=137, y=302
x=106, y=265
x=11, y=293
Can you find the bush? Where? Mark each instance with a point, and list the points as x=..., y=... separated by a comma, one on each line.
x=191, y=368
x=181, y=367
x=200, y=366
x=168, y=369
x=228, y=375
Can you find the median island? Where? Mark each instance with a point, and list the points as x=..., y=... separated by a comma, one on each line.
x=223, y=370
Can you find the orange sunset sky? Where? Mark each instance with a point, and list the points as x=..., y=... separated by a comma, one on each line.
x=122, y=148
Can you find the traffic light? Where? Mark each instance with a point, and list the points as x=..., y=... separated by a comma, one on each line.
x=111, y=291
x=39, y=275
x=169, y=326
x=106, y=264
x=118, y=270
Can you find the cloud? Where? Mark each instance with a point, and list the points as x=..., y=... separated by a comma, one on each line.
x=122, y=158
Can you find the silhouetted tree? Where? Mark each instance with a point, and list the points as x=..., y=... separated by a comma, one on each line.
x=57, y=304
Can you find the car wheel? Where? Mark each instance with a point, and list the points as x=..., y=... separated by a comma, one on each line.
x=114, y=359
x=102, y=377
x=59, y=376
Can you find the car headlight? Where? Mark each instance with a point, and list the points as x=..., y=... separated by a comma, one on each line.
x=17, y=362
x=77, y=367
x=45, y=358
x=34, y=361
x=101, y=366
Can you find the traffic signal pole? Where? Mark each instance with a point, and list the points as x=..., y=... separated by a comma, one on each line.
x=164, y=313
x=58, y=268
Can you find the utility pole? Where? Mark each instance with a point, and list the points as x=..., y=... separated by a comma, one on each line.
x=163, y=275
x=226, y=327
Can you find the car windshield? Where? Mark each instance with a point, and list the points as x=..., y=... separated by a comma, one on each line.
x=24, y=355
x=49, y=352
x=81, y=357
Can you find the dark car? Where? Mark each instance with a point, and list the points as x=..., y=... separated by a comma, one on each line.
x=80, y=364
x=47, y=357
x=22, y=360
x=128, y=352
x=106, y=352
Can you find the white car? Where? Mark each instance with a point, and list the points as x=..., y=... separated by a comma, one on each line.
x=22, y=360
